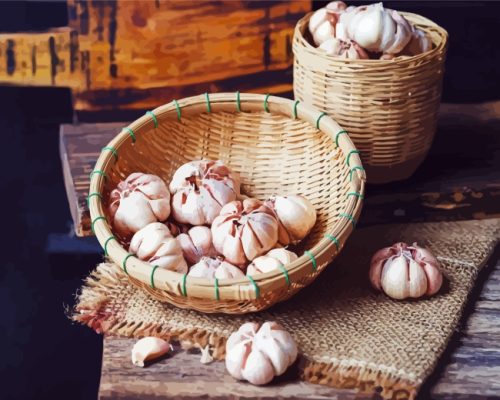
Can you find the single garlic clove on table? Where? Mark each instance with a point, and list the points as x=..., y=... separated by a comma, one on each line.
x=147, y=349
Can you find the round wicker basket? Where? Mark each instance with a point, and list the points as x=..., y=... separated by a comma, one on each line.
x=389, y=107
x=278, y=146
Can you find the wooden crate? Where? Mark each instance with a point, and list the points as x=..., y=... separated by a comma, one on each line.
x=139, y=54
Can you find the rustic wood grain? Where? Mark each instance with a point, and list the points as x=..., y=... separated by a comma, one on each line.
x=182, y=376
x=137, y=54
x=469, y=371
x=459, y=180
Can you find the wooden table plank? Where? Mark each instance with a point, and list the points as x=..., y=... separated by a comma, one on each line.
x=471, y=370
x=460, y=178
x=180, y=375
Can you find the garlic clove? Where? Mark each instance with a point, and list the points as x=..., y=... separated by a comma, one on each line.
x=196, y=243
x=206, y=357
x=237, y=357
x=266, y=344
x=377, y=263
x=324, y=32
x=258, y=369
x=394, y=280
x=205, y=268
x=417, y=284
x=228, y=271
x=133, y=214
x=149, y=348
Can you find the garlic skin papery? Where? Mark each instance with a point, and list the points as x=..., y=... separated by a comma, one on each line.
x=403, y=271
x=244, y=230
x=376, y=28
x=137, y=201
x=420, y=43
x=200, y=190
x=322, y=24
x=215, y=268
x=155, y=244
x=147, y=349
x=196, y=243
x=271, y=261
x=296, y=216
x=258, y=355
x=344, y=49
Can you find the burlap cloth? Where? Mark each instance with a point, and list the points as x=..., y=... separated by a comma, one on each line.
x=349, y=335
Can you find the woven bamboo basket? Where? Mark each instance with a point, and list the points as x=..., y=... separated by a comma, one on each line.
x=278, y=146
x=389, y=108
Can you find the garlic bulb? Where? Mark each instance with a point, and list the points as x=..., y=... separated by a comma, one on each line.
x=200, y=190
x=244, y=230
x=155, y=244
x=271, y=261
x=322, y=24
x=211, y=268
x=403, y=271
x=137, y=201
x=258, y=355
x=147, y=349
x=377, y=29
x=344, y=49
x=420, y=43
x=196, y=243
x=296, y=216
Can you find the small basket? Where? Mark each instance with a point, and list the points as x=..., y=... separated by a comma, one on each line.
x=278, y=146
x=390, y=107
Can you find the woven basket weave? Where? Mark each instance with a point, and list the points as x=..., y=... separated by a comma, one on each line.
x=278, y=146
x=389, y=107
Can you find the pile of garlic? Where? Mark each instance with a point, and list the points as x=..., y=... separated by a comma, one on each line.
x=366, y=32
x=203, y=226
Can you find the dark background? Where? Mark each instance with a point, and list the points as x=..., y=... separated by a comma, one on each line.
x=45, y=356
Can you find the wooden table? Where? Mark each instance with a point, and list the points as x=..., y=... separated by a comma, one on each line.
x=459, y=180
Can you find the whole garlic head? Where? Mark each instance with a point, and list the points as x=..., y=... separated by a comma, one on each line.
x=376, y=28
x=155, y=244
x=403, y=271
x=137, y=201
x=258, y=355
x=200, y=190
x=215, y=268
x=271, y=261
x=147, y=349
x=244, y=230
x=196, y=243
x=296, y=216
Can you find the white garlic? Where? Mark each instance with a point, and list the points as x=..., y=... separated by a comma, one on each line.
x=257, y=355
x=271, y=261
x=206, y=357
x=147, y=349
x=403, y=271
x=296, y=216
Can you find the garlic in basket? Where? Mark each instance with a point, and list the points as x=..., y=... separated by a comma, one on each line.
x=403, y=271
x=196, y=243
x=296, y=216
x=324, y=21
x=258, y=355
x=244, y=230
x=215, y=268
x=155, y=244
x=200, y=190
x=137, y=201
x=271, y=261
x=376, y=28
x=344, y=49
x=147, y=349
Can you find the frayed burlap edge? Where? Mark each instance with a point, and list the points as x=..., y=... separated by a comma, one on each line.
x=90, y=310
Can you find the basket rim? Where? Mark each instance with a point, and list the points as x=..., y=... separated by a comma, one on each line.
x=248, y=289
x=415, y=19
